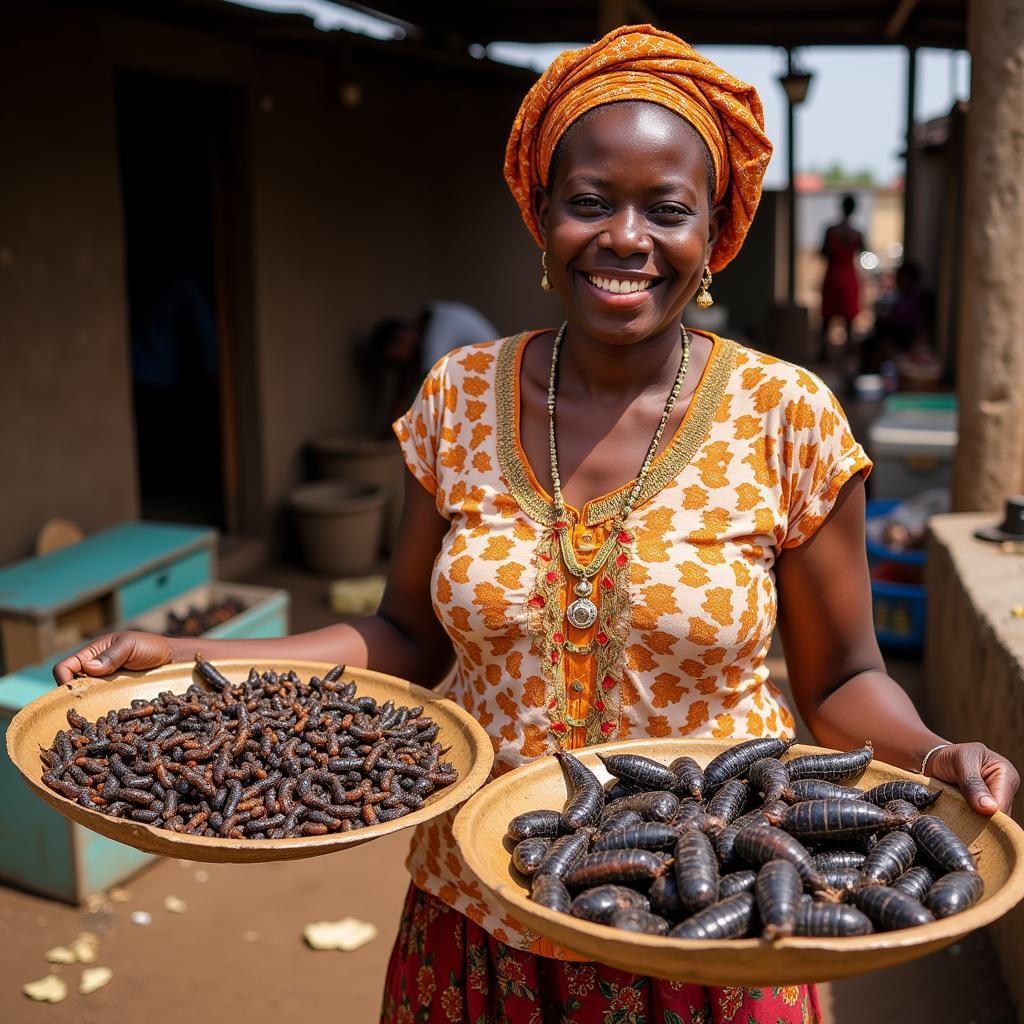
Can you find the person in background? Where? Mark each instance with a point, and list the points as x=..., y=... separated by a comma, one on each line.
x=840, y=291
x=400, y=353
x=904, y=317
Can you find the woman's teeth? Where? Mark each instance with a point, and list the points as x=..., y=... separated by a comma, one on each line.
x=617, y=287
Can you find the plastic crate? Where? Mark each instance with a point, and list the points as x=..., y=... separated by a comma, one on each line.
x=899, y=609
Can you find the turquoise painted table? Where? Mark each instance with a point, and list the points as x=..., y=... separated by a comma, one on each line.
x=130, y=574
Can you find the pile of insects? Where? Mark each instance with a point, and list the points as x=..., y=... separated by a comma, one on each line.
x=270, y=758
x=751, y=845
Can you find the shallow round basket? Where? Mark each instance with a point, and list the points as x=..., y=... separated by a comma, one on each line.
x=35, y=726
x=480, y=831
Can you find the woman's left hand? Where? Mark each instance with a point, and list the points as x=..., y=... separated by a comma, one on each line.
x=986, y=779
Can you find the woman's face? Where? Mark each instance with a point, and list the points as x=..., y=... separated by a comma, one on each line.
x=626, y=222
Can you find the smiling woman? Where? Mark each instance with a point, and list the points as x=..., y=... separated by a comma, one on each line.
x=584, y=599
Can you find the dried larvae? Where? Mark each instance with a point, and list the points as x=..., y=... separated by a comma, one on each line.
x=828, y=819
x=643, y=922
x=954, y=893
x=586, y=794
x=890, y=909
x=603, y=902
x=615, y=867
x=639, y=771
x=649, y=835
x=689, y=777
x=727, y=919
x=735, y=761
x=832, y=920
x=696, y=871
x=889, y=858
x=940, y=847
x=777, y=891
x=528, y=854
x=534, y=824
x=831, y=767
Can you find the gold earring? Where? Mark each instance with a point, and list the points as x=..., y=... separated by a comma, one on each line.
x=545, y=281
x=704, y=300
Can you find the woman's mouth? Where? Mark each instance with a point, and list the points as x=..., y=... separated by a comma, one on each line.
x=620, y=290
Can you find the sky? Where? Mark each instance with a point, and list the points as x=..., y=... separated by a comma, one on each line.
x=855, y=111
x=854, y=114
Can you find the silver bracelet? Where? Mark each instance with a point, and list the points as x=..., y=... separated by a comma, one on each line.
x=924, y=761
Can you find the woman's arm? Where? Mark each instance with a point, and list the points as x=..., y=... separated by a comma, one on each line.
x=404, y=638
x=837, y=673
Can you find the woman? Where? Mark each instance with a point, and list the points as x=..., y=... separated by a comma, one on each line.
x=583, y=604
x=840, y=290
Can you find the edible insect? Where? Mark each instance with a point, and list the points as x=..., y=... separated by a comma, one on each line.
x=664, y=897
x=649, y=835
x=915, y=881
x=603, y=902
x=639, y=771
x=758, y=844
x=904, y=808
x=659, y=805
x=777, y=891
x=586, y=799
x=724, y=839
x=736, y=881
x=550, y=891
x=563, y=853
x=727, y=919
x=827, y=859
x=819, y=789
x=534, y=824
x=636, y=920
x=834, y=920
x=903, y=789
x=954, y=892
x=889, y=858
x=825, y=819
x=621, y=819
x=732, y=763
x=940, y=846
x=615, y=867
x=529, y=853
x=727, y=803
x=831, y=767
x=689, y=777
x=690, y=814
x=890, y=909
x=769, y=777
x=696, y=871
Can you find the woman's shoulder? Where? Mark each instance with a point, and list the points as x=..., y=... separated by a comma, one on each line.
x=479, y=359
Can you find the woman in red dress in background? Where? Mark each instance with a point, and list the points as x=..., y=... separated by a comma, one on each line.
x=840, y=291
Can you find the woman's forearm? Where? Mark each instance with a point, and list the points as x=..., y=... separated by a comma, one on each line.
x=371, y=642
x=872, y=705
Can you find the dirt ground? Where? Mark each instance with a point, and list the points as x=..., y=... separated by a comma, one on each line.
x=236, y=952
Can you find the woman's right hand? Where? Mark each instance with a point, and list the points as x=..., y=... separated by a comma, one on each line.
x=108, y=653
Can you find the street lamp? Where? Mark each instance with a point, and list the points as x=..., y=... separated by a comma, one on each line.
x=795, y=82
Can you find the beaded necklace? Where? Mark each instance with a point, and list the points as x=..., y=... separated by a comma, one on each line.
x=583, y=611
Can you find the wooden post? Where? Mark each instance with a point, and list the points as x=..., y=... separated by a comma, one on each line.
x=790, y=190
x=989, y=461
x=910, y=159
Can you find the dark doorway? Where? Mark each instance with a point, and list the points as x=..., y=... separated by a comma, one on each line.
x=178, y=173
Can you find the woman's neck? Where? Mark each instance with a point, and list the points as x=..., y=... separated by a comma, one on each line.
x=609, y=373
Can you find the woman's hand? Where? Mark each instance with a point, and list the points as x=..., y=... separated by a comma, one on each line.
x=986, y=779
x=106, y=654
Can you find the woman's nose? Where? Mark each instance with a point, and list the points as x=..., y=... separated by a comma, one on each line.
x=625, y=234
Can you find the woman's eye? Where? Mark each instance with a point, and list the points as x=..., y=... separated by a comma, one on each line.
x=587, y=202
x=670, y=211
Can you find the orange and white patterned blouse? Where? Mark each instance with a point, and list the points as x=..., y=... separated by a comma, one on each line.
x=687, y=598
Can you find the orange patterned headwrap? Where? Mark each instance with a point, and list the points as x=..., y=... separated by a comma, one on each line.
x=640, y=62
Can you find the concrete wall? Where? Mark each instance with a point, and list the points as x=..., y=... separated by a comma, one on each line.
x=975, y=670
x=355, y=215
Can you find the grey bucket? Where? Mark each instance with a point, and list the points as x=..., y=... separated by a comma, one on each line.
x=340, y=524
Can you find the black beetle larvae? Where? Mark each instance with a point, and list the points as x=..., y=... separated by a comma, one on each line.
x=563, y=853
x=828, y=859
x=689, y=777
x=826, y=819
x=843, y=880
x=639, y=771
x=728, y=919
x=758, y=844
x=664, y=897
x=940, y=846
x=903, y=789
x=658, y=805
x=890, y=909
x=633, y=919
x=549, y=891
x=769, y=777
x=727, y=804
x=819, y=789
x=905, y=809
x=649, y=835
x=832, y=920
x=614, y=822
x=615, y=867
x=777, y=891
x=736, y=881
x=533, y=824
x=529, y=853
x=736, y=760
x=586, y=795
x=831, y=767
x=603, y=902
x=696, y=871
x=954, y=892
x=889, y=858
x=915, y=881
x=689, y=814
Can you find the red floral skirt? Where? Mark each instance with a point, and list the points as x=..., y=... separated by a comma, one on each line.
x=445, y=969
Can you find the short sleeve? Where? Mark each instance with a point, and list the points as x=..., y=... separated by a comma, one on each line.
x=420, y=430
x=820, y=456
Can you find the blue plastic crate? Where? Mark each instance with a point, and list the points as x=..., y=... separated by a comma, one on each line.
x=900, y=610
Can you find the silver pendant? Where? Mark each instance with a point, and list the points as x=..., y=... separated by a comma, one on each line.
x=584, y=588
x=582, y=613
